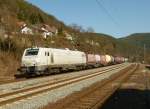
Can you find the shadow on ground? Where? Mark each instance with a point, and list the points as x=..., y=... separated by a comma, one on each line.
x=128, y=99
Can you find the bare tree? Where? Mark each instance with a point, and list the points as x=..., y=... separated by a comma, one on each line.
x=90, y=30
x=77, y=27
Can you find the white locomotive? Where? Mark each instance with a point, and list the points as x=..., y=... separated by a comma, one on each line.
x=38, y=61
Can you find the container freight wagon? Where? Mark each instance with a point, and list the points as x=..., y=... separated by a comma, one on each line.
x=109, y=59
x=119, y=60
x=41, y=61
x=106, y=60
x=103, y=60
x=98, y=59
x=122, y=59
x=90, y=60
x=112, y=60
x=126, y=59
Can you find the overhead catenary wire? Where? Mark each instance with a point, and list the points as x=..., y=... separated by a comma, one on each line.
x=99, y=3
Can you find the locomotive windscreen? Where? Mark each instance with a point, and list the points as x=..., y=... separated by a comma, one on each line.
x=31, y=52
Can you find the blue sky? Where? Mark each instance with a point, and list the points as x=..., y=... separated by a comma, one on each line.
x=127, y=16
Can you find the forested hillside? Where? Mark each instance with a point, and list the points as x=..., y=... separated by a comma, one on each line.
x=141, y=45
x=13, y=42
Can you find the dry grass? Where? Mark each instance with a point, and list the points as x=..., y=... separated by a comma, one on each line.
x=8, y=64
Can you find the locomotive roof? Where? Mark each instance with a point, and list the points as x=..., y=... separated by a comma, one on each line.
x=52, y=49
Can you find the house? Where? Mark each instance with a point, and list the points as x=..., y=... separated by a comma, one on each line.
x=24, y=28
x=48, y=31
x=68, y=36
x=46, y=34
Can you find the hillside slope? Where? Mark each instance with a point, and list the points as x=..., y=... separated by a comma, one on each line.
x=138, y=39
x=139, y=42
x=12, y=42
x=12, y=11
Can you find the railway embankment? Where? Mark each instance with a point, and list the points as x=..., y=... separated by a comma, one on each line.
x=33, y=95
x=133, y=94
x=124, y=86
x=94, y=96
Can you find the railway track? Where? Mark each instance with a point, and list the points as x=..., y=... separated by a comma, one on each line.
x=27, y=83
x=94, y=96
x=15, y=97
x=7, y=80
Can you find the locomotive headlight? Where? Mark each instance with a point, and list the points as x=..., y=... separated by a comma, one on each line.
x=35, y=63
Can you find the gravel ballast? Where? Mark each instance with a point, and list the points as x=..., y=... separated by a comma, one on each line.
x=43, y=99
x=10, y=87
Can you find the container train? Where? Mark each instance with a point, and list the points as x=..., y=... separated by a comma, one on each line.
x=45, y=61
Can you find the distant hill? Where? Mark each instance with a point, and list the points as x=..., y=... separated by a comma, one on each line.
x=138, y=39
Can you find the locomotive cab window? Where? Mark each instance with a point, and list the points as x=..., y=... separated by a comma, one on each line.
x=31, y=52
x=46, y=53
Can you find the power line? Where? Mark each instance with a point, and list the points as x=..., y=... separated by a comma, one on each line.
x=108, y=14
